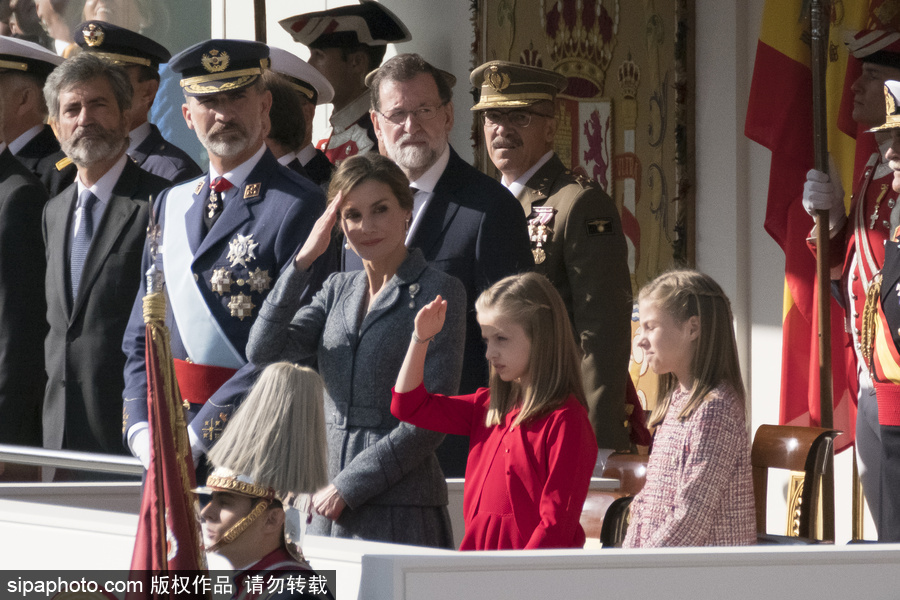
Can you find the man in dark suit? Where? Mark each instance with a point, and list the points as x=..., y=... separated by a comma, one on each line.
x=576, y=235
x=141, y=57
x=24, y=68
x=225, y=238
x=297, y=88
x=22, y=319
x=466, y=223
x=94, y=232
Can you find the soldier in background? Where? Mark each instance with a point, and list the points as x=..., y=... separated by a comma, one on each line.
x=574, y=227
x=297, y=88
x=24, y=67
x=22, y=308
x=346, y=43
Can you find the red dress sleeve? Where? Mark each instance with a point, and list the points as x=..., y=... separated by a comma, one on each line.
x=446, y=414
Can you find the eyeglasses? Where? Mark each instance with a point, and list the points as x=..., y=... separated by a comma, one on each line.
x=423, y=113
x=516, y=118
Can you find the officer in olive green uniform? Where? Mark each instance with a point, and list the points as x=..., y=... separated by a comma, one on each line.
x=576, y=235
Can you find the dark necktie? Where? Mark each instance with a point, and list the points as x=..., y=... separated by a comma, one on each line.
x=216, y=201
x=82, y=241
x=418, y=200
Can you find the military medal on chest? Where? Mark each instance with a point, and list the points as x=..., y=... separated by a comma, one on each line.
x=540, y=229
x=873, y=219
x=241, y=253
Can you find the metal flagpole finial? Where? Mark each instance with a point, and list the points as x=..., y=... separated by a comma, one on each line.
x=155, y=278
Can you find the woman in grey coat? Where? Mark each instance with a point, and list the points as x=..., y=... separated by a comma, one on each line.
x=386, y=483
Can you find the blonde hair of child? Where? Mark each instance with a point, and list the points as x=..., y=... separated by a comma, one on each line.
x=684, y=294
x=277, y=435
x=554, y=364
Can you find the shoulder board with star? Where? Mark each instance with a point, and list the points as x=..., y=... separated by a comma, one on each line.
x=63, y=163
x=581, y=180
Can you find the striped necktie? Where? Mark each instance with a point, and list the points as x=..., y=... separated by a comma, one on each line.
x=82, y=241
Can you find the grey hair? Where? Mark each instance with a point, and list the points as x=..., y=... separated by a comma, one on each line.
x=277, y=435
x=82, y=68
x=404, y=67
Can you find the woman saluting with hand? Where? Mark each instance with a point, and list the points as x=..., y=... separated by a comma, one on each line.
x=385, y=481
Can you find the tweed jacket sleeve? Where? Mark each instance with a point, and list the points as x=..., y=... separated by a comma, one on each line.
x=283, y=331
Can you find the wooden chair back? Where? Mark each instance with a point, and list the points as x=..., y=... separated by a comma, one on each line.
x=631, y=471
x=615, y=523
x=802, y=449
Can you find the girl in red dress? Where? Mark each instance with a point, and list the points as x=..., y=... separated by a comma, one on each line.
x=531, y=447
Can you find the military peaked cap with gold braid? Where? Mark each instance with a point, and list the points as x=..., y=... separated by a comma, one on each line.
x=216, y=66
x=891, y=106
x=508, y=85
x=27, y=57
x=120, y=45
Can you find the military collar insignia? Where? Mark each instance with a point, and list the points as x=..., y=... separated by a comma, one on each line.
x=215, y=61
x=497, y=79
x=93, y=35
x=251, y=190
x=199, y=187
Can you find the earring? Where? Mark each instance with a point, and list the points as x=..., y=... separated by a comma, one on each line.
x=407, y=224
x=346, y=245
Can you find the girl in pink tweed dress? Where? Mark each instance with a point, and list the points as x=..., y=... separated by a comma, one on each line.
x=699, y=490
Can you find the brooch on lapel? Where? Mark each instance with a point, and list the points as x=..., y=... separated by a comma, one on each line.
x=413, y=292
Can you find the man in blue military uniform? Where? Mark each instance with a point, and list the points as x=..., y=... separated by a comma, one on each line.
x=346, y=43
x=141, y=57
x=297, y=88
x=24, y=68
x=23, y=319
x=222, y=239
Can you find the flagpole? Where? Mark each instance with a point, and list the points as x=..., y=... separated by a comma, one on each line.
x=819, y=20
x=259, y=19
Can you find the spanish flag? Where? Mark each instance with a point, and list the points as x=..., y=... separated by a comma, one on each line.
x=779, y=117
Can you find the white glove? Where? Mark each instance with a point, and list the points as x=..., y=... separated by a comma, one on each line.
x=825, y=192
x=139, y=443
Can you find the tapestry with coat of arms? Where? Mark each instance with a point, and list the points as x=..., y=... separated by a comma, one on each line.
x=625, y=119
